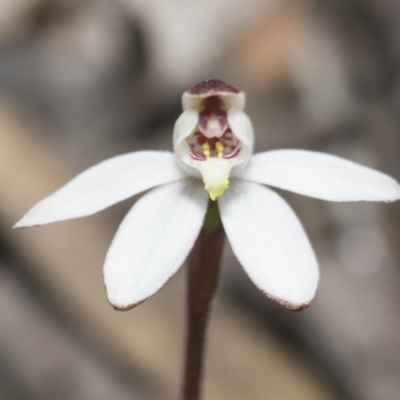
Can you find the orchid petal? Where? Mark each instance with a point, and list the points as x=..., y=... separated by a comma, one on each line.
x=241, y=127
x=320, y=175
x=184, y=126
x=270, y=243
x=153, y=241
x=103, y=185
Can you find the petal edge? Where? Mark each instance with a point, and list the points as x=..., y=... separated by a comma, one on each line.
x=103, y=185
x=263, y=229
x=322, y=176
x=153, y=241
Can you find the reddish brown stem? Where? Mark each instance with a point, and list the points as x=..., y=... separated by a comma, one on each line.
x=204, y=265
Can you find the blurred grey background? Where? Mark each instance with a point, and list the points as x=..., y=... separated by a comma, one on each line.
x=83, y=80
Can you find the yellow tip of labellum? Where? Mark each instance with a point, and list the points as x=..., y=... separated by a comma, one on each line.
x=215, y=173
x=216, y=191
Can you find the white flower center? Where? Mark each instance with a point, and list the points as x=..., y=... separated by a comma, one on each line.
x=208, y=145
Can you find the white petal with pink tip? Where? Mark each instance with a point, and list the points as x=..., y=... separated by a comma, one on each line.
x=270, y=243
x=320, y=175
x=103, y=185
x=153, y=241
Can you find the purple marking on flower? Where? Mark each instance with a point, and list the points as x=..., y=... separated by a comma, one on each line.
x=231, y=97
x=230, y=145
x=213, y=111
x=212, y=86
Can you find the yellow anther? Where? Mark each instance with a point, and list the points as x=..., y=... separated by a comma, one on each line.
x=220, y=149
x=206, y=150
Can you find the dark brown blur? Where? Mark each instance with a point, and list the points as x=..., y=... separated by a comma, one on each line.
x=84, y=80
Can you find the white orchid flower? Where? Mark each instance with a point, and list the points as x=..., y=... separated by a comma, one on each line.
x=213, y=142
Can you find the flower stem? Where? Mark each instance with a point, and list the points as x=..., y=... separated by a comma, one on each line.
x=204, y=266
